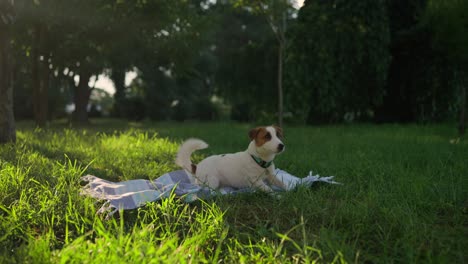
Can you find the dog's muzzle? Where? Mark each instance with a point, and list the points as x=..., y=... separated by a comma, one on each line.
x=280, y=147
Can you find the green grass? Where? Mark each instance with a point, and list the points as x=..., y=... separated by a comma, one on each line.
x=404, y=198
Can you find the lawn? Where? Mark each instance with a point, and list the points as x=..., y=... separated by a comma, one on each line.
x=403, y=199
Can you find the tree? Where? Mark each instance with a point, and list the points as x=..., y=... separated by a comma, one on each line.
x=35, y=34
x=416, y=90
x=152, y=45
x=449, y=21
x=246, y=53
x=338, y=59
x=276, y=13
x=64, y=43
x=40, y=73
x=81, y=49
x=7, y=121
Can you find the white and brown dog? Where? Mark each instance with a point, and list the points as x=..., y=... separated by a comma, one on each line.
x=248, y=168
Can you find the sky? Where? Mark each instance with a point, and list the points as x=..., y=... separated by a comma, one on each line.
x=106, y=84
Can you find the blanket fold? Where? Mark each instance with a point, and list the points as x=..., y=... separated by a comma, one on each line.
x=136, y=193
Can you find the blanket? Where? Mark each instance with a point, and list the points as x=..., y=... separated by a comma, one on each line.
x=136, y=193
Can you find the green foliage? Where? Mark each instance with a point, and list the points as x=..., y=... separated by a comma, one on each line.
x=403, y=198
x=415, y=76
x=338, y=59
x=247, y=62
x=449, y=22
x=365, y=60
x=74, y=40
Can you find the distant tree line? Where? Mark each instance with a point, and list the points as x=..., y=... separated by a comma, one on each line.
x=331, y=61
x=378, y=60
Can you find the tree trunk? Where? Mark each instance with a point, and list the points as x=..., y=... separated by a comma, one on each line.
x=81, y=99
x=118, y=78
x=40, y=76
x=462, y=118
x=280, y=84
x=280, y=35
x=7, y=120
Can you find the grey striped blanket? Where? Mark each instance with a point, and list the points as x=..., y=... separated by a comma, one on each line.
x=135, y=193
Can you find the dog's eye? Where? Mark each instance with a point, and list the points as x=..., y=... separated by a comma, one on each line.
x=268, y=136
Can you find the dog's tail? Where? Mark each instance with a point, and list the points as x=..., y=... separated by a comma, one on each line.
x=186, y=150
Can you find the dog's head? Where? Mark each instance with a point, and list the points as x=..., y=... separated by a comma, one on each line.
x=268, y=140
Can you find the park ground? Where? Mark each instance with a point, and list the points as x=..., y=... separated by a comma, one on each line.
x=403, y=198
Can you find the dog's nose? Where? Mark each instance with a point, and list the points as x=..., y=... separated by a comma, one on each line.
x=280, y=147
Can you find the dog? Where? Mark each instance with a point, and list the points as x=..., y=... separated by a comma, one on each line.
x=249, y=168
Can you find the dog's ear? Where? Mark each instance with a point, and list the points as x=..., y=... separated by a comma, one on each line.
x=253, y=133
x=279, y=131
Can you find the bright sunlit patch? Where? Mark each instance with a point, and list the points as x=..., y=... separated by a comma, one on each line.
x=298, y=3
x=129, y=77
x=105, y=83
